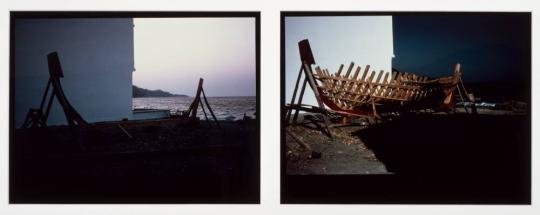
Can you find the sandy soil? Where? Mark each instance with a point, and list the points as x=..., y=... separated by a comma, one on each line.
x=342, y=154
x=434, y=158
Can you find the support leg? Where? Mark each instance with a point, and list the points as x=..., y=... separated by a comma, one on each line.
x=313, y=85
x=299, y=101
x=289, y=111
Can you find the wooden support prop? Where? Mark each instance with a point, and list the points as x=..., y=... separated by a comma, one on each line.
x=209, y=108
x=38, y=117
x=205, y=116
x=192, y=111
x=314, y=87
x=195, y=104
x=306, y=57
x=300, y=100
x=289, y=113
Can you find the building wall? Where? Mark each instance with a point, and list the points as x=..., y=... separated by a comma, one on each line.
x=337, y=40
x=97, y=60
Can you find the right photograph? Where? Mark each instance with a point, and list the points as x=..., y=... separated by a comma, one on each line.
x=406, y=107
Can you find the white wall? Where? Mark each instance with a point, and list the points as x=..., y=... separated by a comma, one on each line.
x=337, y=40
x=97, y=59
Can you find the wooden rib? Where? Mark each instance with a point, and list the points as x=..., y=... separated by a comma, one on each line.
x=362, y=90
x=324, y=79
x=375, y=87
x=369, y=87
x=391, y=88
x=391, y=85
x=383, y=89
x=335, y=82
x=362, y=86
x=345, y=79
x=354, y=83
x=396, y=83
x=351, y=66
x=366, y=70
x=339, y=70
x=403, y=85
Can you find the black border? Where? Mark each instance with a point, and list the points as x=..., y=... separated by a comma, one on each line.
x=364, y=189
x=134, y=14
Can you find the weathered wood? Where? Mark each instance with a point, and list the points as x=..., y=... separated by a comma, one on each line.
x=347, y=92
x=288, y=115
x=299, y=141
x=125, y=131
x=209, y=108
x=393, y=90
x=314, y=87
x=37, y=117
x=300, y=100
x=204, y=112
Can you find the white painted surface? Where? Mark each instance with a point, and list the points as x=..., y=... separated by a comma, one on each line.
x=336, y=40
x=141, y=114
x=97, y=59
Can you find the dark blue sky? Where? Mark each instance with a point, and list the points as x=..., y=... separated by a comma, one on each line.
x=490, y=47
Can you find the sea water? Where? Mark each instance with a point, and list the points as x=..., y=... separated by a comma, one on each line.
x=225, y=108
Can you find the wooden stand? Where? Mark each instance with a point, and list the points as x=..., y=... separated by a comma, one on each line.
x=307, y=60
x=38, y=117
x=192, y=111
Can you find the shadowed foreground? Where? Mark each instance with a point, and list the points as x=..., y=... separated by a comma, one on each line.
x=162, y=162
x=435, y=159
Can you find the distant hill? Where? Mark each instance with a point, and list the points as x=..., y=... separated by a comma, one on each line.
x=141, y=92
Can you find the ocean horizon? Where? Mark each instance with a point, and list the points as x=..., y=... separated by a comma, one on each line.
x=224, y=107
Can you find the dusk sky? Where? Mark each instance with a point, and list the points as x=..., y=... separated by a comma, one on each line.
x=171, y=54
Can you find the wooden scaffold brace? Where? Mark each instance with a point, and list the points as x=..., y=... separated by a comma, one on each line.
x=306, y=56
x=192, y=111
x=38, y=117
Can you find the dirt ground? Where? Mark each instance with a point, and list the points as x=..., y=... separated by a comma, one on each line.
x=433, y=158
x=342, y=154
x=158, y=162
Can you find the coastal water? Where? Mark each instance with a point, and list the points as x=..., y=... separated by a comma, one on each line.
x=225, y=108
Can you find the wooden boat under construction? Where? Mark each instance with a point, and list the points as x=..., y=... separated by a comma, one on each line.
x=396, y=91
x=365, y=93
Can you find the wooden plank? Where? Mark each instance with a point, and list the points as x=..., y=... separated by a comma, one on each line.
x=339, y=70
x=398, y=90
x=351, y=66
x=382, y=89
x=366, y=70
x=337, y=75
x=324, y=79
x=375, y=87
x=402, y=85
x=361, y=91
x=354, y=78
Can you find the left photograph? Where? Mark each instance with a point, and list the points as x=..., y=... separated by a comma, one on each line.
x=134, y=107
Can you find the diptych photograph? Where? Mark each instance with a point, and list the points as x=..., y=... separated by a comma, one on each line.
x=134, y=107
x=375, y=108
x=406, y=108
